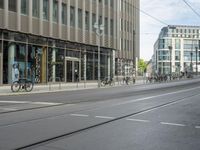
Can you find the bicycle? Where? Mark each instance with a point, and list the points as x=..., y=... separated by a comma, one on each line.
x=106, y=81
x=22, y=84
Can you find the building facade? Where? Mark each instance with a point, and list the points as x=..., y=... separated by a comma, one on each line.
x=176, y=51
x=55, y=40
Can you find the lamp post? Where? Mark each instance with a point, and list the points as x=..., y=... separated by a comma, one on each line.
x=191, y=66
x=99, y=33
x=170, y=55
x=196, y=60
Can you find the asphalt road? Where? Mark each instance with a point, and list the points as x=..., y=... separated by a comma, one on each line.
x=146, y=117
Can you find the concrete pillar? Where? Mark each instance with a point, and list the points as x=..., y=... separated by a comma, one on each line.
x=76, y=20
x=11, y=55
x=30, y=16
x=6, y=14
x=54, y=66
x=68, y=20
x=50, y=18
x=41, y=18
x=85, y=62
x=18, y=15
x=109, y=71
x=60, y=19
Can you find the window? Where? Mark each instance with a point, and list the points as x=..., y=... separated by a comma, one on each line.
x=93, y=21
x=87, y=20
x=106, y=2
x=106, y=26
x=80, y=18
x=111, y=27
x=24, y=7
x=177, y=43
x=55, y=11
x=64, y=14
x=12, y=4
x=177, y=55
x=111, y=3
x=2, y=4
x=46, y=9
x=72, y=16
x=36, y=8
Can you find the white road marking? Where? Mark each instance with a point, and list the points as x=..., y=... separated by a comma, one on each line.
x=104, y=117
x=14, y=102
x=197, y=127
x=8, y=109
x=137, y=120
x=30, y=102
x=172, y=124
x=142, y=99
x=79, y=115
x=45, y=103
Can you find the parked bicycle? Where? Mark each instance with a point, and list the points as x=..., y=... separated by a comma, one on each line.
x=21, y=84
x=107, y=81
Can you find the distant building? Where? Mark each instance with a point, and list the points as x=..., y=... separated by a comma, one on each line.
x=56, y=39
x=176, y=50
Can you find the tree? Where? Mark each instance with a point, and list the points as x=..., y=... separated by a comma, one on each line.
x=142, y=66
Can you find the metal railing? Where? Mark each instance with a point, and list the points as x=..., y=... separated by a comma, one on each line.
x=53, y=81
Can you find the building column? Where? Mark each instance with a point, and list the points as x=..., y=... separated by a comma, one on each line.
x=109, y=71
x=41, y=18
x=30, y=16
x=83, y=21
x=54, y=65
x=103, y=22
x=50, y=18
x=85, y=67
x=11, y=61
x=60, y=19
x=68, y=19
x=6, y=14
x=76, y=20
x=18, y=15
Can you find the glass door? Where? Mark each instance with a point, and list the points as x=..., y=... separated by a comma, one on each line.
x=76, y=71
x=69, y=71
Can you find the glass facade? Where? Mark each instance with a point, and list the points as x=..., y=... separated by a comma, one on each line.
x=72, y=16
x=46, y=9
x=55, y=10
x=36, y=8
x=43, y=60
x=2, y=4
x=64, y=14
x=12, y=5
x=24, y=7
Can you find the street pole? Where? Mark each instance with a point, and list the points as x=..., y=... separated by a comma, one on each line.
x=170, y=55
x=99, y=81
x=191, y=67
x=196, y=61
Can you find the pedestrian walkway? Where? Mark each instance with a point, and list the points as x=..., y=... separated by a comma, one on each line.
x=55, y=87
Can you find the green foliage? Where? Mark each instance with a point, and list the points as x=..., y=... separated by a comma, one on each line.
x=142, y=65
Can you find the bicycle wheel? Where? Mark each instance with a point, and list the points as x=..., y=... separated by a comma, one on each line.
x=28, y=86
x=103, y=83
x=15, y=86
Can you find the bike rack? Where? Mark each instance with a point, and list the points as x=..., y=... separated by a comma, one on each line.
x=56, y=78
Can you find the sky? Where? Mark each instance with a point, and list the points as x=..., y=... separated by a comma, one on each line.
x=171, y=12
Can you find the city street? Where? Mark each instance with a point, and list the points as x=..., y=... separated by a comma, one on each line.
x=160, y=116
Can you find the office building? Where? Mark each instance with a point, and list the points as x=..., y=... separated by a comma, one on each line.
x=55, y=40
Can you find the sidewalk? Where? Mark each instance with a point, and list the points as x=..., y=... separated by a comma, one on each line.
x=56, y=87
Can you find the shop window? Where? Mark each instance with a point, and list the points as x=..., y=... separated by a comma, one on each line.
x=2, y=4
x=0, y=46
x=24, y=7
x=12, y=5
x=46, y=9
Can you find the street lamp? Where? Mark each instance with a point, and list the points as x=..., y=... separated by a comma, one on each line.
x=196, y=61
x=191, y=66
x=170, y=55
x=99, y=33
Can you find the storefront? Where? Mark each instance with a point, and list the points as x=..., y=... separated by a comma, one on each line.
x=43, y=60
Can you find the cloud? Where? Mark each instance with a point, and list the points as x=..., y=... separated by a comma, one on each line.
x=172, y=12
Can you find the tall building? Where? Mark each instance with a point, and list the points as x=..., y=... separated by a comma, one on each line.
x=55, y=40
x=177, y=50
